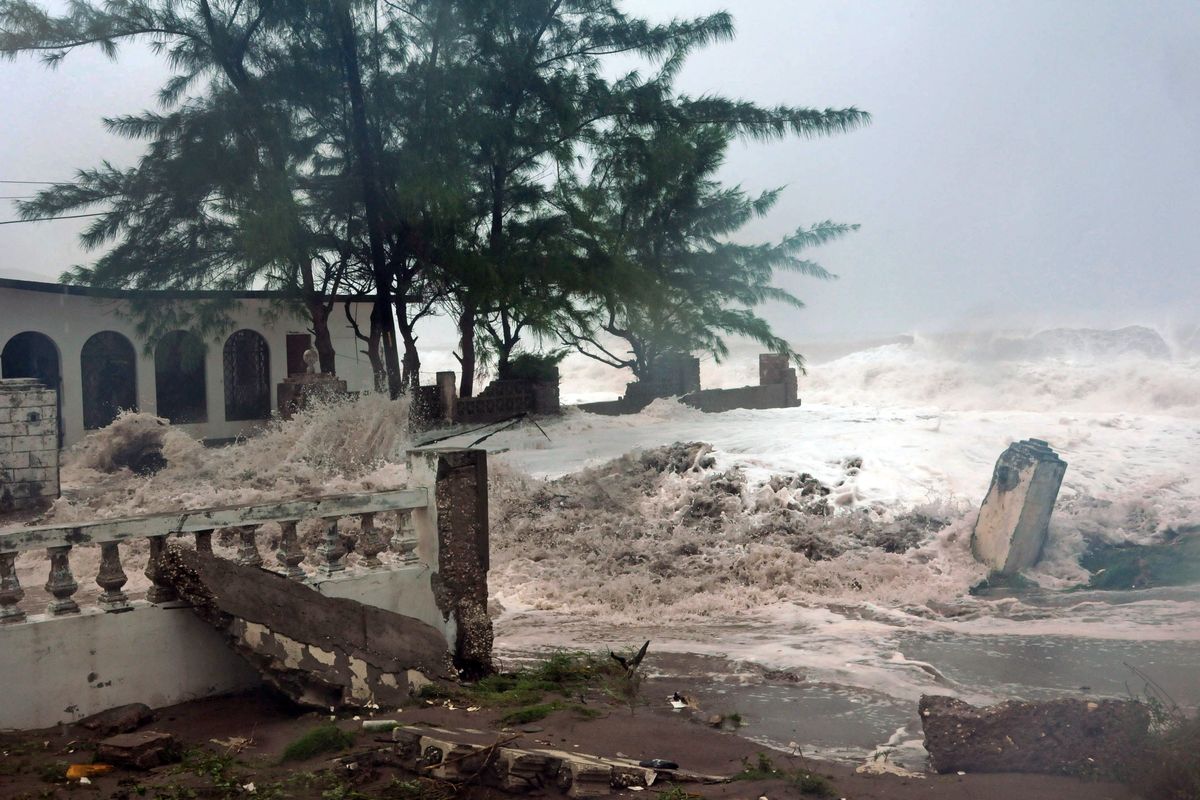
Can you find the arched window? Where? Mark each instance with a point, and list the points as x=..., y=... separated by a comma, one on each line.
x=34, y=355
x=247, y=376
x=179, y=378
x=108, y=365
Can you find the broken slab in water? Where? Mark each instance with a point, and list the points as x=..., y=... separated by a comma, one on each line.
x=320, y=651
x=1014, y=519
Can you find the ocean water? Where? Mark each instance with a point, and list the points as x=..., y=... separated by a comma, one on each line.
x=719, y=561
x=871, y=604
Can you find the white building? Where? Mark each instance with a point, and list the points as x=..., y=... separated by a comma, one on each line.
x=84, y=342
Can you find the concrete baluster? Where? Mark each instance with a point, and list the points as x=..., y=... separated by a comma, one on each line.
x=289, y=553
x=331, y=550
x=204, y=542
x=160, y=592
x=404, y=541
x=370, y=542
x=248, y=554
x=111, y=579
x=61, y=582
x=11, y=592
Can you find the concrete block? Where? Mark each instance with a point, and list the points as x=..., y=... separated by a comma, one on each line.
x=44, y=459
x=144, y=750
x=23, y=444
x=1014, y=519
x=15, y=461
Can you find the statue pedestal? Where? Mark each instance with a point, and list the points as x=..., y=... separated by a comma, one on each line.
x=297, y=391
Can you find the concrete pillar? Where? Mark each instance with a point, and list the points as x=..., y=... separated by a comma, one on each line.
x=452, y=537
x=1014, y=518
x=448, y=394
x=28, y=444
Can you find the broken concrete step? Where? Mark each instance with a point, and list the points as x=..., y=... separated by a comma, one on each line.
x=142, y=750
x=460, y=754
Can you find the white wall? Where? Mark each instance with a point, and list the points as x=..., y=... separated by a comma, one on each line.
x=60, y=669
x=69, y=320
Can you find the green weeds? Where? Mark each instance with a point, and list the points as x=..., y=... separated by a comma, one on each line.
x=807, y=781
x=327, y=738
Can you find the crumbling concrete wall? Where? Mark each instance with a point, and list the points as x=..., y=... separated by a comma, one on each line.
x=320, y=651
x=680, y=377
x=28, y=444
x=453, y=534
x=1014, y=519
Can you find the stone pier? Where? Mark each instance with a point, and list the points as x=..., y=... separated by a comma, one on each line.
x=28, y=444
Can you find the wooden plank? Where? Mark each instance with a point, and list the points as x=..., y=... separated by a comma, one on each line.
x=115, y=530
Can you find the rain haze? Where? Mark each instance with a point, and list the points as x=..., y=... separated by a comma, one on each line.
x=952, y=551
x=1029, y=163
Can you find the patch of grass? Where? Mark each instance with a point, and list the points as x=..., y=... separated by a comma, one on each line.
x=811, y=783
x=523, y=716
x=763, y=769
x=1168, y=764
x=676, y=793
x=563, y=673
x=528, y=714
x=54, y=772
x=327, y=738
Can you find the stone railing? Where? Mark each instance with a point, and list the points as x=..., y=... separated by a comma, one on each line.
x=59, y=540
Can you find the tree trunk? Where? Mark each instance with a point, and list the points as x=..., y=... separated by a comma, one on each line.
x=466, y=344
x=506, y=344
x=382, y=320
x=412, y=358
x=319, y=312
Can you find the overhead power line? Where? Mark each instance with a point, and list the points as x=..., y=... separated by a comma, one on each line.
x=44, y=183
x=48, y=219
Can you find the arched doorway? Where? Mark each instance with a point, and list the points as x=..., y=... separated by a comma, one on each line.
x=108, y=365
x=247, y=361
x=34, y=355
x=179, y=384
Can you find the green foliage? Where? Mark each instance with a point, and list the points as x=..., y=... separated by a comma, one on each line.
x=673, y=792
x=534, y=366
x=1168, y=764
x=663, y=226
x=485, y=157
x=569, y=677
x=807, y=781
x=326, y=738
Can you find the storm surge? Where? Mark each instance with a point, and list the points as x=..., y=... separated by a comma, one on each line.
x=1131, y=370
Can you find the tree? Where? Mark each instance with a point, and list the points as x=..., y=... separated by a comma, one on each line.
x=428, y=152
x=655, y=215
x=217, y=201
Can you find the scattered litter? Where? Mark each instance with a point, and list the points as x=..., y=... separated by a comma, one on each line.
x=658, y=763
x=234, y=744
x=637, y=788
x=84, y=771
x=380, y=724
x=249, y=788
x=85, y=781
x=473, y=708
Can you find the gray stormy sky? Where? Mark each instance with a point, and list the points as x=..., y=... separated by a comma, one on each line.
x=1030, y=162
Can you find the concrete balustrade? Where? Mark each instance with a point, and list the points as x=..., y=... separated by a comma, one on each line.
x=58, y=542
x=121, y=649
